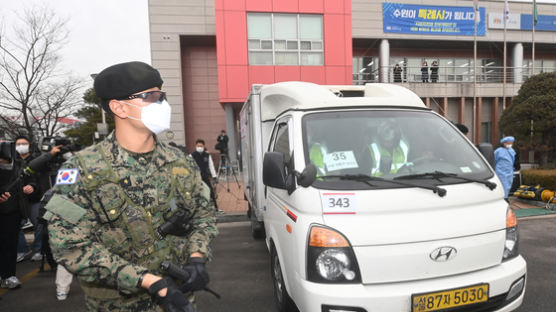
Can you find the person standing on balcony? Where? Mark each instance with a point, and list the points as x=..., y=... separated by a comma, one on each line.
x=397, y=73
x=434, y=71
x=425, y=72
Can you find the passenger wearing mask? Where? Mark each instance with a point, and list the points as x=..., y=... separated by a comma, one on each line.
x=504, y=158
x=317, y=151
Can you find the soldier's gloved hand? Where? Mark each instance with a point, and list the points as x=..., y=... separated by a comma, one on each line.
x=174, y=301
x=198, y=276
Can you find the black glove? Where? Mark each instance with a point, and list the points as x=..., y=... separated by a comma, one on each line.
x=198, y=276
x=174, y=301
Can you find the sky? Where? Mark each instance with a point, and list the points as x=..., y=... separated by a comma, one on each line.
x=101, y=32
x=104, y=32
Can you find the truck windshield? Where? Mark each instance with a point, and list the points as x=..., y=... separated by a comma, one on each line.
x=395, y=145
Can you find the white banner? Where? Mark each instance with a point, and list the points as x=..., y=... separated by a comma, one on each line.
x=496, y=21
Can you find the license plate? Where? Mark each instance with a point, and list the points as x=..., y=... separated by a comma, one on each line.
x=440, y=300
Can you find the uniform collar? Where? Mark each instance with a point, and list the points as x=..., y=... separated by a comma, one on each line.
x=118, y=156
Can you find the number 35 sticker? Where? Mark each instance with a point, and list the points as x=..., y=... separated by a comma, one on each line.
x=338, y=203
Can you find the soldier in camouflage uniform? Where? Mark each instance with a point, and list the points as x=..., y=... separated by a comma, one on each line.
x=111, y=199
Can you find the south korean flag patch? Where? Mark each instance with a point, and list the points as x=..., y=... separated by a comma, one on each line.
x=67, y=176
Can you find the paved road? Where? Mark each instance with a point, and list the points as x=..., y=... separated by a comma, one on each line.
x=538, y=247
x=240, y=272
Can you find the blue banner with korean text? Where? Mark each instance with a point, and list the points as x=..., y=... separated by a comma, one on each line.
x=432, y=20
x=544, y=22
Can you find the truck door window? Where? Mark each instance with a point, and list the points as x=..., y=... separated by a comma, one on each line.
x=282, y=142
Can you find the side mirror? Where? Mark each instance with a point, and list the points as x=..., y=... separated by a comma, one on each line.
x=274, y=170
x=308, y=176
x=488, y=151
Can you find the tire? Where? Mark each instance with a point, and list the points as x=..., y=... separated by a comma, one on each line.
x=283, y=300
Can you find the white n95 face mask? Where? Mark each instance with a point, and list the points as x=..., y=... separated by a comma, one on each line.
x=200, y=149
x=22, y=149
x=155, y=116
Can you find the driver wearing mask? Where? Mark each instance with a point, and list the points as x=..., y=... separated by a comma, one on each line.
x=389, y=151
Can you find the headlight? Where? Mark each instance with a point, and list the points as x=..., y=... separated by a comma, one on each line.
x=334, y=264
x=330, y=258
x=511, y=246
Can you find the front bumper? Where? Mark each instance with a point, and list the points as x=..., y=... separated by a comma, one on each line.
x=396, y=297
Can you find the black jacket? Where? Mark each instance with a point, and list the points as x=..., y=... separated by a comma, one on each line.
x=13, y=181
x=202, y=160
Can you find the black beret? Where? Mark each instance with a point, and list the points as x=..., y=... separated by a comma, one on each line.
x=122, y=80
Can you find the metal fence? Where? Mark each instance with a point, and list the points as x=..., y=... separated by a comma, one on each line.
x=485, y=74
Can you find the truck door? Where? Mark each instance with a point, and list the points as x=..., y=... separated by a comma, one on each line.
x=278, y=201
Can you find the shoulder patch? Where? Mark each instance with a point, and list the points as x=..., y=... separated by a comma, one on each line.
x=180, y=171
x=67, y=176
x=64, y=208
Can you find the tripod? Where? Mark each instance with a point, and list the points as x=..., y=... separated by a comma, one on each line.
x=226, y=168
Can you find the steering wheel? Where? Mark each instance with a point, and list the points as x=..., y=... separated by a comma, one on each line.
x=409, y=167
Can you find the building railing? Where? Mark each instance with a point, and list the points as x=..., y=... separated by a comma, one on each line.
x=449, y=74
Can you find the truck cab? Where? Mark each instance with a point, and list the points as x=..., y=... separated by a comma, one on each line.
x=370, y=201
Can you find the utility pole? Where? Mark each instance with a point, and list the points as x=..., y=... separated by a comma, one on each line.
x=475, y=127
x=506, y=14
x=533, y=50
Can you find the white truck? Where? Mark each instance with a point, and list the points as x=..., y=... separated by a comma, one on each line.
x=370, y=201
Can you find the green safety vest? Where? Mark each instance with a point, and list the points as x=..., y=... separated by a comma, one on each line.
x=316, y=155
x=399, y=157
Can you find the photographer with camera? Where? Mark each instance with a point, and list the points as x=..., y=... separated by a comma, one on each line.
x=222, y=145
x=15, y=189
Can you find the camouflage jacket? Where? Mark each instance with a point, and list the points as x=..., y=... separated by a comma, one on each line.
x=107, y=204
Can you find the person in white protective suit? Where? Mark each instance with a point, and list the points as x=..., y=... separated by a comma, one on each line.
x=504, y=158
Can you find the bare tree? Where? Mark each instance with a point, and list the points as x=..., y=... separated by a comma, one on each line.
x=56, y=102
x=32, y=93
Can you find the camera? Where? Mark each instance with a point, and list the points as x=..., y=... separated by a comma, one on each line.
x=66, y=148
x=7, y=150
x=49, y=142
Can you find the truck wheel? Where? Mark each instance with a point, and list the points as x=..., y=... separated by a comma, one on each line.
x=283, y=300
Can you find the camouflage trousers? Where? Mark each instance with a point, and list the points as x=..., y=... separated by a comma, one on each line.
x=142, y=303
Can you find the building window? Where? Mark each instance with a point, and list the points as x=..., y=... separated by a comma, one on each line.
x=285, y=39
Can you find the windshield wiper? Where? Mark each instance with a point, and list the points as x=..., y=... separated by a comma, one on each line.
x=440, y=174
x=367, y=179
